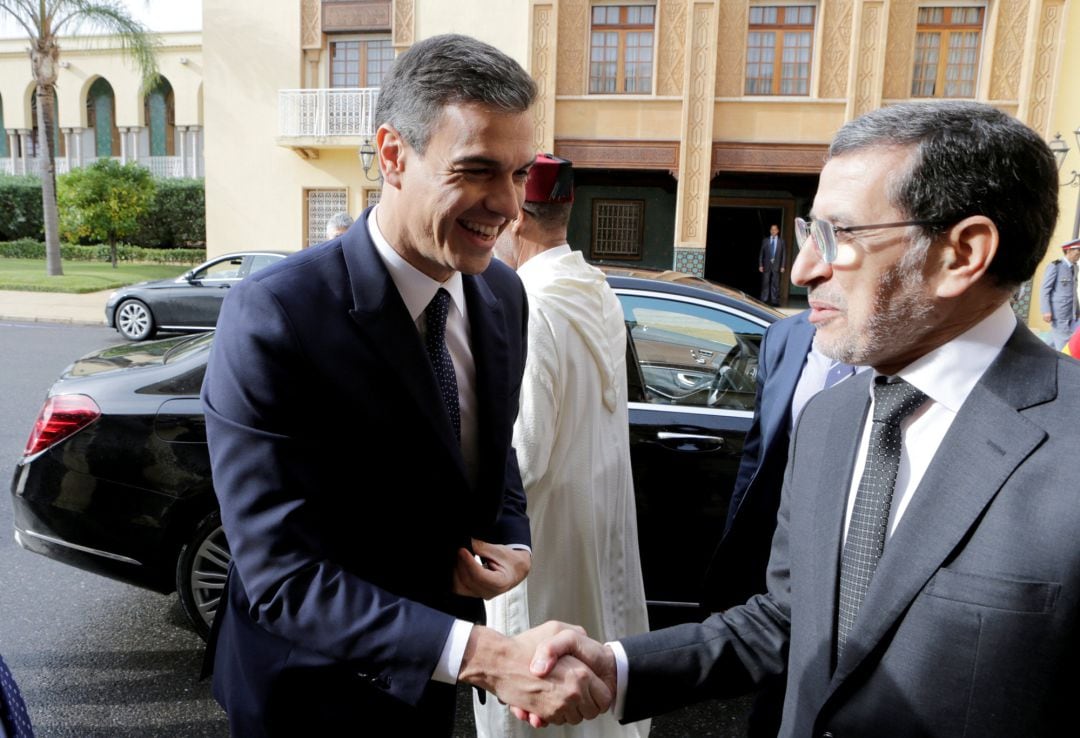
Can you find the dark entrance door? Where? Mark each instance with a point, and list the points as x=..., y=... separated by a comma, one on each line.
x=734, y=245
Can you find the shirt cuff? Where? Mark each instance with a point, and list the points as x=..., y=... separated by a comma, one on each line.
x=519, y=547
x=446, y=671
x=622, y=671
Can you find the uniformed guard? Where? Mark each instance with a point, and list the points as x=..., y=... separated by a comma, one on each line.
x=1059, y=303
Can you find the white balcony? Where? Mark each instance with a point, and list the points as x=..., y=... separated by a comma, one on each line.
x=166, y=167
x=326, y=118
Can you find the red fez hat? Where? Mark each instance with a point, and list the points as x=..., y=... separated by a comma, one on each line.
x=551, y=179
x=1073, y=244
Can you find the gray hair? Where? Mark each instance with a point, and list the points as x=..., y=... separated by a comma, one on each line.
x=338, y=223
x=969, y=159
x=447, y=70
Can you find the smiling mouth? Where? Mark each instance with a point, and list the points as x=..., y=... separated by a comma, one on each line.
x=480, y=230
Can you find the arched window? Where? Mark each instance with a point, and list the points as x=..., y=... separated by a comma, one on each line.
x=160, y=115
x=101, y=116
x=58, y=140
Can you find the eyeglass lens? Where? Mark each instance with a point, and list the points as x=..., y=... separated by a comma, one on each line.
x=822, y=233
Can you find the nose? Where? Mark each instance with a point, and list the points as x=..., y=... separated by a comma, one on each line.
x=506, y=196
x=809, y=267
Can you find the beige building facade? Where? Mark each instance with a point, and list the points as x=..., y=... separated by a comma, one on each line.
x=693, y=124
x=102, y=108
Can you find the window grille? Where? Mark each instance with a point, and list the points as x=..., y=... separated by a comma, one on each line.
x=321, y=204
x=618, y=229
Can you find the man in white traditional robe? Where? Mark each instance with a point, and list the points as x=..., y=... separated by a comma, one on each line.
x=573, y=447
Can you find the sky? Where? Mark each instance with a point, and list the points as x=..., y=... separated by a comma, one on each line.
x=159, y=15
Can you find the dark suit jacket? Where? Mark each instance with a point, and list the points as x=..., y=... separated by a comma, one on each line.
x=343, y=491
x=737, y=570
x=970, y=623
x=774, y=264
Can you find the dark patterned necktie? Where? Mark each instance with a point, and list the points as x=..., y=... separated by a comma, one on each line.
x=13, y=714
x=435, y=340
x=894, y=400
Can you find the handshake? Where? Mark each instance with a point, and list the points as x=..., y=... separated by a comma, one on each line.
x=552, y=674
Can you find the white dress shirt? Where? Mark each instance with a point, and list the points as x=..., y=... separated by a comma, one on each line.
x=946, y=376
x=417, y=290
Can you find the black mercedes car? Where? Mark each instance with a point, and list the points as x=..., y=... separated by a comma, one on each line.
x=115, y=477
x=190, y=302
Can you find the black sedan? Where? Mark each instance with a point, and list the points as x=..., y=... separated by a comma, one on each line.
x=190, y=302
x=115, y=477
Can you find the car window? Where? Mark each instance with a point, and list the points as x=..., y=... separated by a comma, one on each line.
x=689, y=353
x=225, y=269
x=258, y=261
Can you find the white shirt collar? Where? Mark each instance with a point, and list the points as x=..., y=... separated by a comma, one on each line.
x=416, y=288
x=949, y=373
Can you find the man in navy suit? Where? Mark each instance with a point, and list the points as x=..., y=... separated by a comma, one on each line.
x=771, y=263
x=360, y=401
x=924, y=577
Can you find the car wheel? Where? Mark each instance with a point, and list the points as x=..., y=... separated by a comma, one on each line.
x=200, y=572
x=134, y=320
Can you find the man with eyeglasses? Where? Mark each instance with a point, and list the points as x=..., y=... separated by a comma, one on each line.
x=925, y=572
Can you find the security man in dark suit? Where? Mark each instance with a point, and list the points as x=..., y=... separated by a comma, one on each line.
x=772, y=261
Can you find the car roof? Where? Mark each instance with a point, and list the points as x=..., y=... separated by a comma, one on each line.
x=687, y=285
x=274, y=252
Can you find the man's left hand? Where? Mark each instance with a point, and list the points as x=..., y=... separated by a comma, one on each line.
x=499, y=569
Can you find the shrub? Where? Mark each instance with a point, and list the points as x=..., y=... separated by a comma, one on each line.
x=103, y=202
x=26, y=248
x=177, y=215
x=20, y=208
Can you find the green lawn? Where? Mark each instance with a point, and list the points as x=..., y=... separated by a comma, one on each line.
x=79, y=276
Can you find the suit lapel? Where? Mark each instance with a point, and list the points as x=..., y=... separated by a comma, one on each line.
x=383, y=322
x=987, y=441
x=788, y=370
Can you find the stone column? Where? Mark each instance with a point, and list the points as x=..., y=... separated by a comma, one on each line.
x=181, y=137
x=543, y=62
x=196, y=148
x=24, y=146
x=695, y=153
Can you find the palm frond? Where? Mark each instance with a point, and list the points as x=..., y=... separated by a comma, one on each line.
x=25, y=14
x=108, y=16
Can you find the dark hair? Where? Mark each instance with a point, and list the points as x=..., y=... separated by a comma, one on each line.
x=550, y=215
x=446, y=70
x=969, y=159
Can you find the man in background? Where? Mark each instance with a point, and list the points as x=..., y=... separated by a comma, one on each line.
x=771, y=263
x=1058, y=298
x=573, y=446
x=338, y=224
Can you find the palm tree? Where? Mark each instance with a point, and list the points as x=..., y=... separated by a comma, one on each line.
x=44, y=21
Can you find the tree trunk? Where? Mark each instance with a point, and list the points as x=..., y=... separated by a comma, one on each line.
x=112, y=252
x=46, y=115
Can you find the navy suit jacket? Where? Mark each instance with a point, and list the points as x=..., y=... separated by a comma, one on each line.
x=737, y=570
x=969, y=626
x=344, y=494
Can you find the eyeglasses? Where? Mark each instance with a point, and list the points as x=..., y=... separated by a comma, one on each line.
x=824, y=234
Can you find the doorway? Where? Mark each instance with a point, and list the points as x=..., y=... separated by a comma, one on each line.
x=733, y=244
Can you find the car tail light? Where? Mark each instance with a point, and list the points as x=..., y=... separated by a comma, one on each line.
x=61, y=416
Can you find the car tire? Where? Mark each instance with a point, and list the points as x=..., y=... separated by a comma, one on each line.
x=134, y=320
x=200, y=572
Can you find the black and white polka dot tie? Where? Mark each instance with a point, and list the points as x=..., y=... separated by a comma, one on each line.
x=13, y=716
x=894, y=400
x=435, y=339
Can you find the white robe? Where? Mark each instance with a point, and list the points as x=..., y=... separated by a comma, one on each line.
x=573, y=446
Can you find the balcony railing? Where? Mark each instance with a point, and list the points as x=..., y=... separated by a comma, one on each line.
x=322, y=113
x=166, y=167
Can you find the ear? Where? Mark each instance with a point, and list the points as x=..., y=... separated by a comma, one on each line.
x=969, y=249
x=393, y=152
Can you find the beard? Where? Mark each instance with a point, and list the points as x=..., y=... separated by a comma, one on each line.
x=898, y=315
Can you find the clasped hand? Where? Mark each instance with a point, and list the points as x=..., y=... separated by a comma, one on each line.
x=550, y=674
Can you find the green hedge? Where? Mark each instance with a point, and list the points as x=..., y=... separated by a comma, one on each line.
x=176, y=219
x=20, y=208
x=177, y=216
x=26, y=248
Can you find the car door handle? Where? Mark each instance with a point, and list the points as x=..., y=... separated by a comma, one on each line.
x=689, y=441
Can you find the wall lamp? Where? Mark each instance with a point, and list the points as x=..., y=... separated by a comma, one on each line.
x=367, y=158
x=1061, y=151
